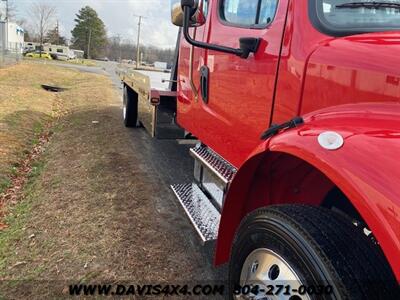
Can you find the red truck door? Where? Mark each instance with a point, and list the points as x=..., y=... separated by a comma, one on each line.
x=239, y=91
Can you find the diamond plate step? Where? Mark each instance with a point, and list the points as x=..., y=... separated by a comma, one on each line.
x=201, y=212
x=223, y=169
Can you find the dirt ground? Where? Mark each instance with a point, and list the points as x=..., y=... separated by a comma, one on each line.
x=95, y=207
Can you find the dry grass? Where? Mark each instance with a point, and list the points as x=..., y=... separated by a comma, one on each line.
x=78, y=61
x=25, y=108
x=90, y=211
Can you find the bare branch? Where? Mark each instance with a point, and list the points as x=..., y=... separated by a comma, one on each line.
x=43, y=17
x=8, y=10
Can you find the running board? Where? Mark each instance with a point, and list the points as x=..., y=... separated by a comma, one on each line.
x=201, y=212
x=213, y=174
x=214, y=162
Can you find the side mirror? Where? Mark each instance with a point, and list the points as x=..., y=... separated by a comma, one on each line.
x=248, y=45
x=197, y=13
x=190, y=13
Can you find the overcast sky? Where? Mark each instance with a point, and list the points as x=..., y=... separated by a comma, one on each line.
x=119, y=17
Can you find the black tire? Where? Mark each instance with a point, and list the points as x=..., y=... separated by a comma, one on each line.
x=130, y=108
x=321, y=246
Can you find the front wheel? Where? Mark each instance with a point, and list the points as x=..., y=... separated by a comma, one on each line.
x=301, y=252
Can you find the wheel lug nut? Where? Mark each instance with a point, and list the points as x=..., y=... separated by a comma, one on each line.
x=254, y=267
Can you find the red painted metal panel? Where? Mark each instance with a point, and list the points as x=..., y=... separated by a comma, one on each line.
x=361, y=68
x=315, y=71
x=366, y=169
x=241, y=90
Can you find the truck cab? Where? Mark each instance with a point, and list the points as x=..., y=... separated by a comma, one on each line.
x=296, y=107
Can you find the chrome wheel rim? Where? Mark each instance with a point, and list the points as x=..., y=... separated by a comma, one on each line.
x=263, y=268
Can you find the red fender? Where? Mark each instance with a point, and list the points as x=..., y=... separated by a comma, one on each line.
x=366, y=169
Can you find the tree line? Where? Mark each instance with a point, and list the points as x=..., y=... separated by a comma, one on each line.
x=89, y=34
x=118, y=49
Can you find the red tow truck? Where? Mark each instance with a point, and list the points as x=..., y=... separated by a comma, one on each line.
x=296, y=106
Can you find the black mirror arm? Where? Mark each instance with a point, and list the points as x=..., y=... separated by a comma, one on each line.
x=243, y=53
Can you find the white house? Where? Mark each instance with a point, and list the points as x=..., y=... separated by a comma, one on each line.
x=15, y=37
x=11, y=37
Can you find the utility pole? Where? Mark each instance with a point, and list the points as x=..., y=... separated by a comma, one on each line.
x=89, y=40
x=6, y=19
x=138, y=43
x=119, y=46
x=58, y=33
x=7, y=10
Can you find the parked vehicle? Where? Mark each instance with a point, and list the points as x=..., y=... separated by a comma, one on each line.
x=296, y=105
x=31, y=47
x=60, y=52
x=78, y=53
x=38, y=54
x=160, y=65
x=56, y=51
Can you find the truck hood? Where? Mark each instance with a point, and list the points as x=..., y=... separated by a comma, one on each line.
x=359, y=68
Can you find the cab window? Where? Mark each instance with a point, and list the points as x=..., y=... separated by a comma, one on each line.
x=205, y=7
x=249, y=13
x=344, y=17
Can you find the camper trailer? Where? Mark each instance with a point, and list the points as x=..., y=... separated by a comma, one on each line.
x=56, y=51
x=59, y=52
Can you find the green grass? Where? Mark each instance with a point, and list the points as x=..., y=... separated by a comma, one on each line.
x=84, y=62
x=5, y=183
x=37, y=169
x=17, y=217
x=36, y=58
x=37, y=128
x=78, y=61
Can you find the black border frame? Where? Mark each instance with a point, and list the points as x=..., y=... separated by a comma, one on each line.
x=320, y=23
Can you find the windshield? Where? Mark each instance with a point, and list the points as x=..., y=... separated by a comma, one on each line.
x=355, y=16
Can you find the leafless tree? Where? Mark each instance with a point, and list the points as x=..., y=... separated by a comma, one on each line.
x=8, y=10
x=43, y=19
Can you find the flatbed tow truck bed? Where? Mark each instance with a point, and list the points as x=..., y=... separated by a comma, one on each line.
x=156, y=101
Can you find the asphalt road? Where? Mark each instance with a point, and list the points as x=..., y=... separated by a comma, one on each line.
x=104, y=68
x=109, y=67
x=171, y=159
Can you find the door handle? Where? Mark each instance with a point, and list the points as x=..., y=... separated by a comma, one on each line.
x=204, y=83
